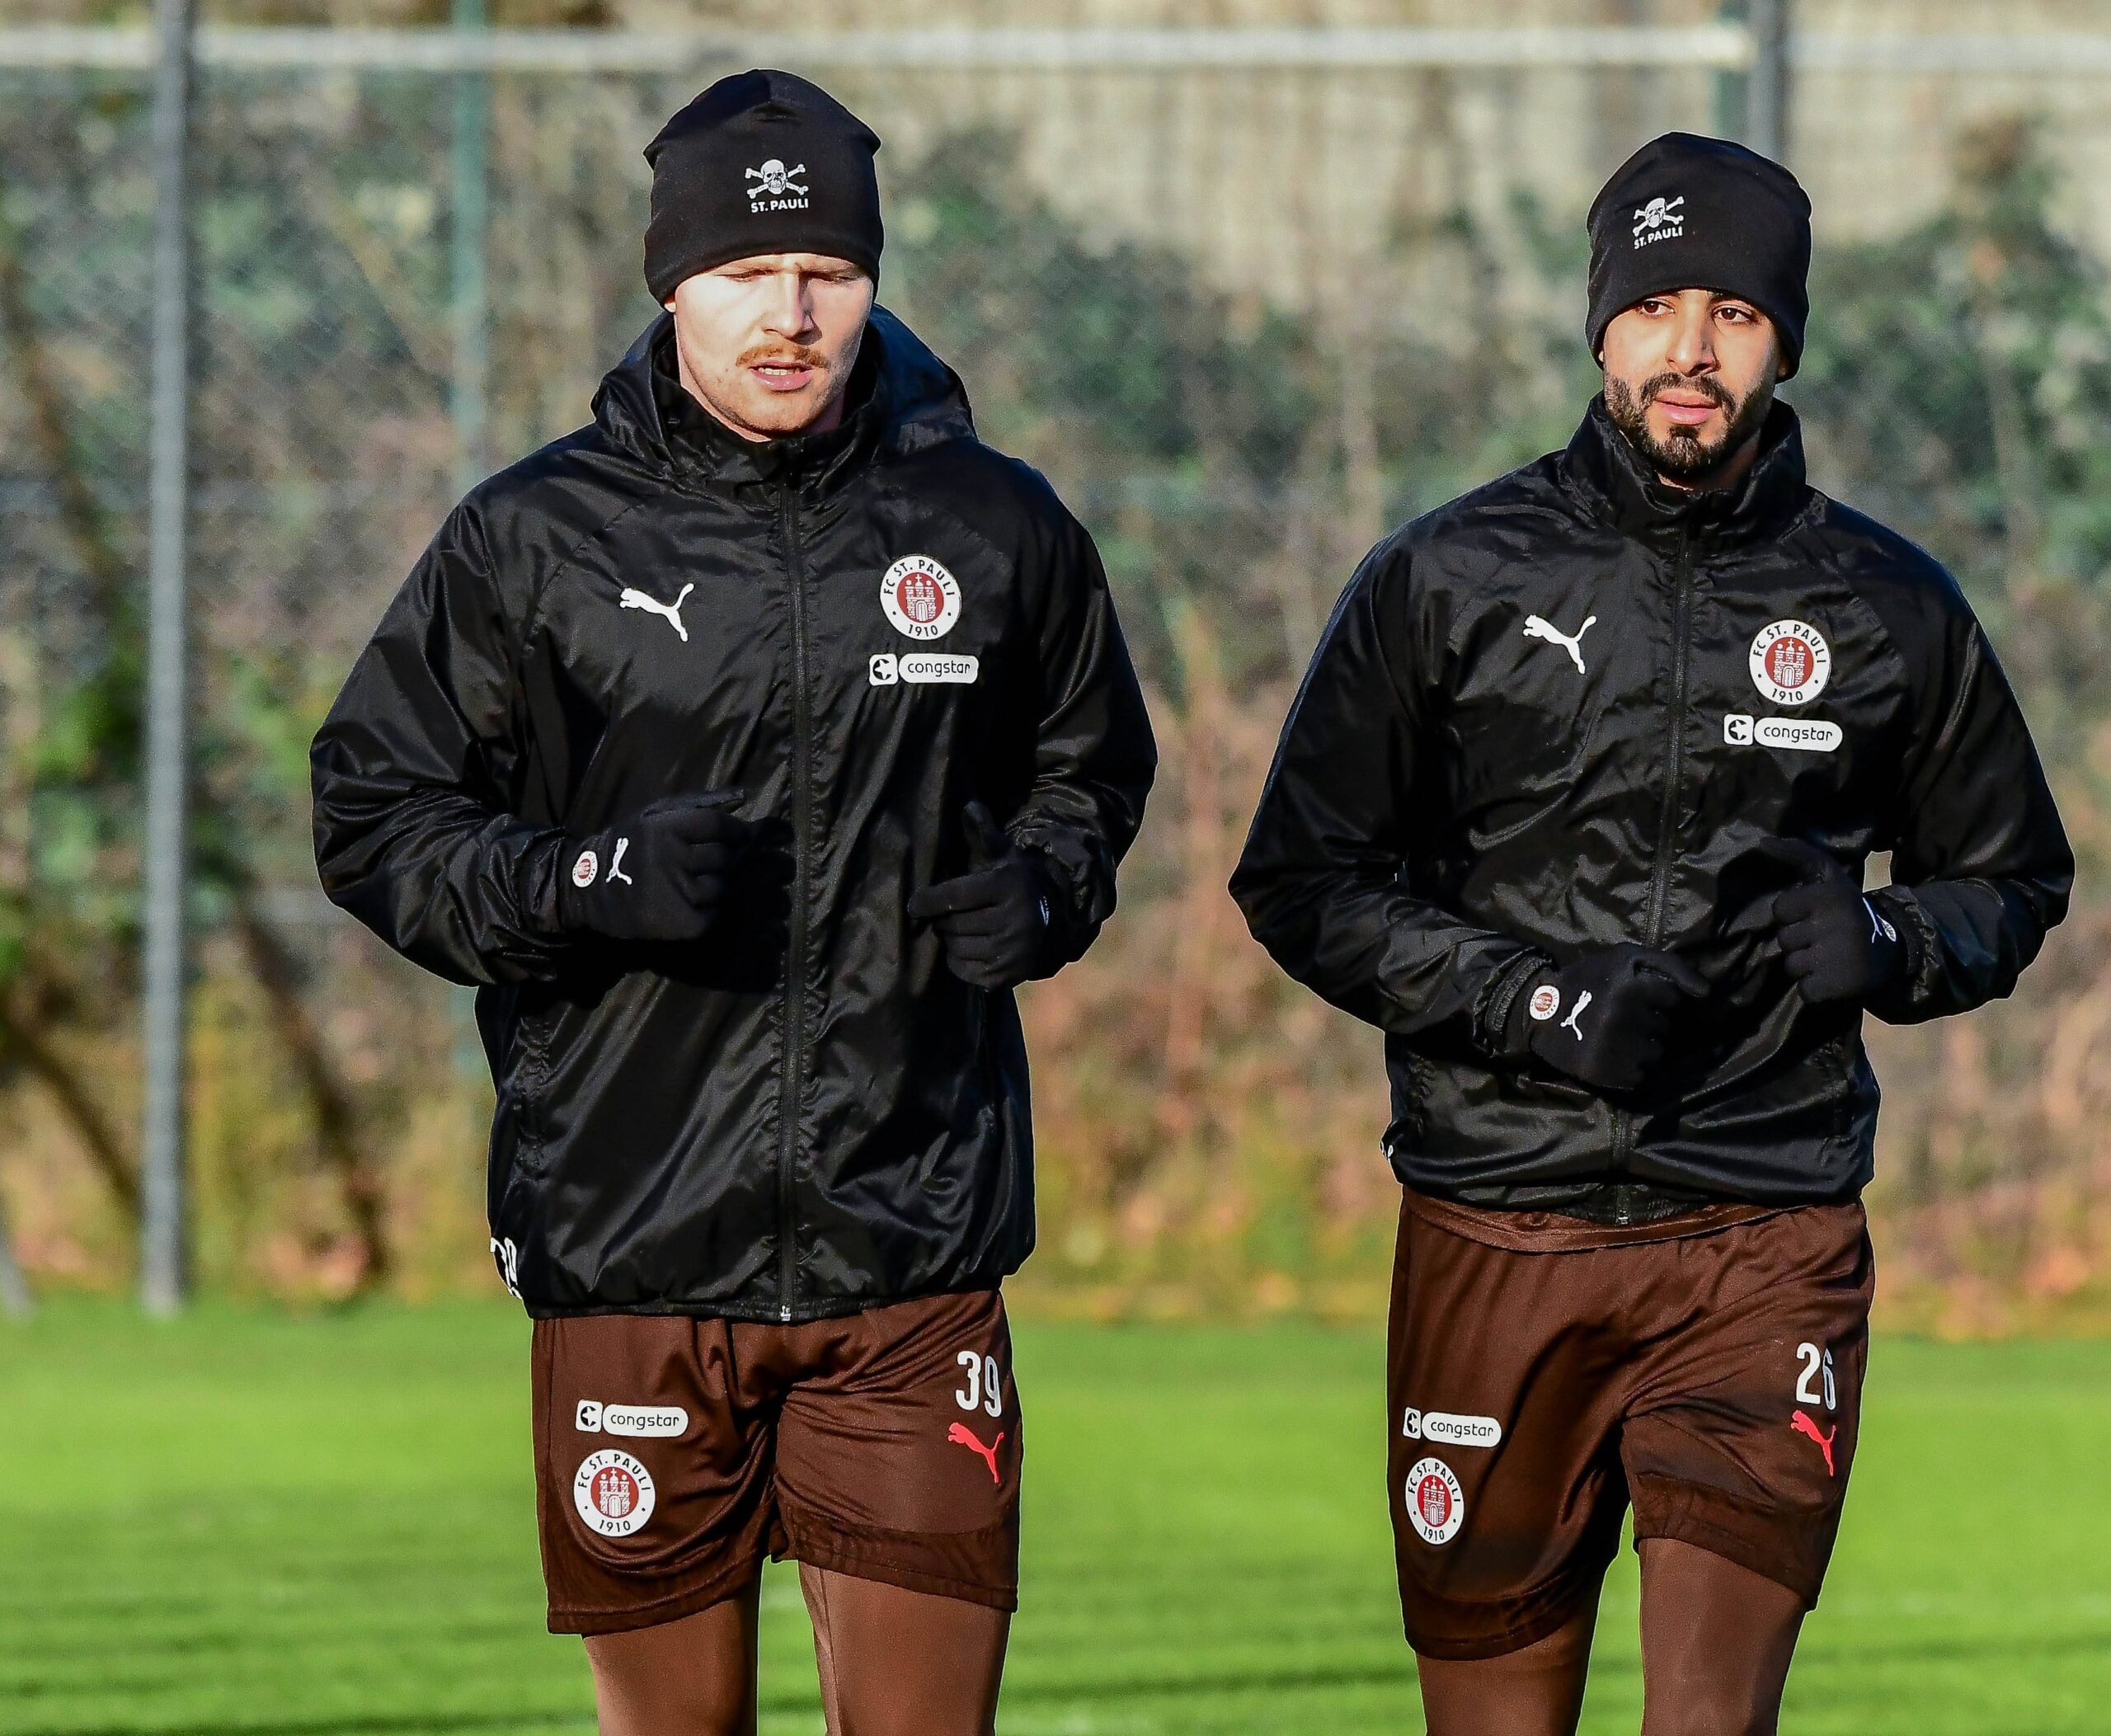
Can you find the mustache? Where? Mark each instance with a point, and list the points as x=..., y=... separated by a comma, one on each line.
x=1656, y=387
x=783, y=355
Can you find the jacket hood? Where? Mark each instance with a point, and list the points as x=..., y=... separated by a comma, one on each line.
x=905, y=399
x=1618, y=484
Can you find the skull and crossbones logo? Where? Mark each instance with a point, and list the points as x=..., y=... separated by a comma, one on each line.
x=776, y=179
x=1658, y=212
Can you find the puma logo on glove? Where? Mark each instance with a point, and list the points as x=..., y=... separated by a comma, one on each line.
x=1632, y=994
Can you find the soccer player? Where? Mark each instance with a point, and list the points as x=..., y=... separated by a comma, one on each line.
x=1575, y=804
x=747, y=748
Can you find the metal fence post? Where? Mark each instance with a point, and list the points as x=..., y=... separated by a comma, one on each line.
x=469, y=181
x=14, y=1298
x=1766, y=86
x=469, y=292
x=162, y=1276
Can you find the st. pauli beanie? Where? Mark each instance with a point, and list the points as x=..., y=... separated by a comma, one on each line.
x=761, y=162
x=1686, y=213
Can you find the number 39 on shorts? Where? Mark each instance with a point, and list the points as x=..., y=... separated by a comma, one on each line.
x=1814, y=1385
x=985, y=1390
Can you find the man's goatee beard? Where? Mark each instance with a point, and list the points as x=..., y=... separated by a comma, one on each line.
x=1682, y=457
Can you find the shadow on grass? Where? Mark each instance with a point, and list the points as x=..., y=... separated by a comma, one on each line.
x=1222, y=1682
x=1949, y=1650
x=187, y=1646
x=419, y=1723
x=1058, y=1693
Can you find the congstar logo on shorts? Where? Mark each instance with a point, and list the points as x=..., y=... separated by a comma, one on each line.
x=635, y=1422
x=1450, y=1428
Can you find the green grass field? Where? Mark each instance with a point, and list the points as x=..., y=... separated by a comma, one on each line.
x=321, y=1526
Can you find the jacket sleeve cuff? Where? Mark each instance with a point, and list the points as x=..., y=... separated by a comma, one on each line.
x=1915, y=982
x=542, y=884
x=1498, y=1034
x=1076, y=908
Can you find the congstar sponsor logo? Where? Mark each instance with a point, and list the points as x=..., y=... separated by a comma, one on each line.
x=925, y=668
x=1799, y=735
x=635, y=1422
x=1451, y=1427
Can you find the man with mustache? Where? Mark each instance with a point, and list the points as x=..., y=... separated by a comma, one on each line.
x=747, y=748
x=1604, y=893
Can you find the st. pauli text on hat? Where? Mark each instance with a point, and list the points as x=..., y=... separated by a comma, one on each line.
x=765, y=242
x=1700, y=253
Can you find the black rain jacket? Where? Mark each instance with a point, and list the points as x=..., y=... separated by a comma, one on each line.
x=1557, y=714
x=788, y=1120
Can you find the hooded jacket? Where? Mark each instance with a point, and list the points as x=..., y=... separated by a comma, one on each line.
x=1570, y=709
x=789, y=1119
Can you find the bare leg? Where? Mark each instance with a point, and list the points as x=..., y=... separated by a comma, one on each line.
x=896, y=1663
x=693, y=1676
x=1537, y=1691
x=1716, y=1642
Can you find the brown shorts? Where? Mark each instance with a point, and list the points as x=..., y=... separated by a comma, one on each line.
x=672, y=1454
x=1543, y=1373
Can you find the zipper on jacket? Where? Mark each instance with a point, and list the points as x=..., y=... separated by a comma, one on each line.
x=1660, y=878
x=792, y=1085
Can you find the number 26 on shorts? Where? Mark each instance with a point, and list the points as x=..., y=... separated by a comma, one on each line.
x=1817, y=1363
x=985, y=1390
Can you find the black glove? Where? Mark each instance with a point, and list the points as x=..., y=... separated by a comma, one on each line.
x=661, y=875
x=997, y=922
x=1604, y=1019
x=1836, y=944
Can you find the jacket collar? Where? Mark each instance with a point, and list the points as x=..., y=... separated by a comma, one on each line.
x=1616, y=483
x=903, y=399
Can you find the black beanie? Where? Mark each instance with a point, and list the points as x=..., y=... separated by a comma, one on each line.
x=1685, y=213
x=761, y=162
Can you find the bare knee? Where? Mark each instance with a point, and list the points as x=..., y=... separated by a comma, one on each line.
x=899, y=1663
x=1717, y=1641
x=633, y=1696
x=1537, y=1690
x=1737, y=1691
x=1703, y=1709
x=693, y=1676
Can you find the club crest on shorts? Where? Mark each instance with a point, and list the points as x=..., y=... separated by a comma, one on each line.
x=1790, y=662
x=920, y=597
x=1436, y=1506
x=613, y=1493
x=584, y=870
x=1545, y=1002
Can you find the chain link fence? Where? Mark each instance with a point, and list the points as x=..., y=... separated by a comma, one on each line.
x=1249, y=298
